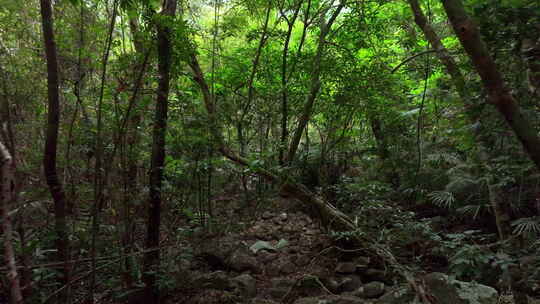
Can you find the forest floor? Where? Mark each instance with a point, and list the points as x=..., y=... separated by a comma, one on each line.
x=278, y=254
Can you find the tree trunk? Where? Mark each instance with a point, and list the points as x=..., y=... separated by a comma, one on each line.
x=500, y=210
x=322, y=209
x=284, y=84
x=152, y=256
x=6, y=199
x=498, y=93
x=501, y=97
x=51, y=142
x=315, y=83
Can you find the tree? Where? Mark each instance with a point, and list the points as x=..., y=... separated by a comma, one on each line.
x=151, y=258
x=51, y=143
x=498, y=92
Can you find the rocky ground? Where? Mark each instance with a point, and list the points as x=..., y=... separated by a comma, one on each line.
x=285, y=257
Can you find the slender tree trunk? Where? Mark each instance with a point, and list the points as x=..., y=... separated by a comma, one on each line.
x=441, y=52
x=284, y=82
x=99, y=177
x=322, y=209
x=315, y=83
x=51, y=142
x=501, y=97
x=500, y=209
x=6, y=199
x=152, y=257
x=498, y=93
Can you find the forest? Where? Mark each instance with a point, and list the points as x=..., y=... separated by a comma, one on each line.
x=270, y=151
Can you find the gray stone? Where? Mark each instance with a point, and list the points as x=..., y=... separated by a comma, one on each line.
x=280, y=287
x=214, y=280
x=240, y=260
x=445, y=290
x=349, y=283
x=398, y=295
x=282, y=283
x=287, y=267
x=245, y=284
x=373, y=274
x=449, y=291
x=267, y=215
x=373, y=290
x=266, y=257
x=332, y=284
x=302, y=260
x=346, y=267
x=278, y=293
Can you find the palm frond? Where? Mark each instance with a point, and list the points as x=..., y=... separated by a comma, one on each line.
x=528, y=225
x=473, y=210
x=442, y=198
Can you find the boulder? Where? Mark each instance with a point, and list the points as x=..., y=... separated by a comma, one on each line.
x=241, y=260
x=346, y=268
x=349, y=283
x=372, y=290
x=245, y=284
x=280, y=287
x=214, y=280
x=450, y=291
x=445, y=290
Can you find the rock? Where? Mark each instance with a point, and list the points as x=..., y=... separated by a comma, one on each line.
x=267, y=215
x=346, y=268
x=362, y=261
x=283, y=217
x=278, y=293
x=349, y=283
x=266, y=257
x=330, y=300
x=280, y=287
x=332, y=284
x=216, y=256
x=445, y=291
x=262, y=301
x=302, y=260
x=450, y=291
x=378, y=275
x=372, y=290
x=282, y=283
x=185, y=264
x=214, y=280
x=240, y=260
x=245, y=284
x=292, y=250
x=398, y=295
x=287, y=267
